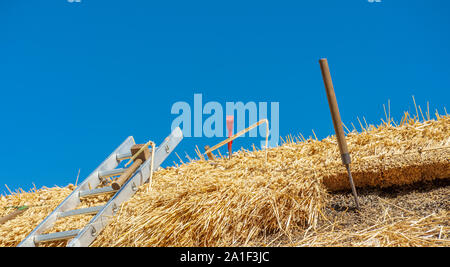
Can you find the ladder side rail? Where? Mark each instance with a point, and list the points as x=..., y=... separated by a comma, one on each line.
x=110, y=163
x=73, y=200
x=103, y=217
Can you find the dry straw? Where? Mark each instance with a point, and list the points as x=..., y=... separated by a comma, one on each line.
x=246, y=200
x=414, y=231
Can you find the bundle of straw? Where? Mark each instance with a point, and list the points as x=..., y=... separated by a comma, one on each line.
x=386, y=155
x=226, y=203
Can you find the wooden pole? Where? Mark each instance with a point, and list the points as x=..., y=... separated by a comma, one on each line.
x=13, y=215
x=127, y=174
x=337, y=123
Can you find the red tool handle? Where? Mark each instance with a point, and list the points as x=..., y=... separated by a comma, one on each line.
x=230, y=121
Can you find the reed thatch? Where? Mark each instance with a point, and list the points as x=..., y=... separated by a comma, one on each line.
x=247, y=200
x=388, y=155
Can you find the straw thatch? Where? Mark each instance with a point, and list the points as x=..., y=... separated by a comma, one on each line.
x=387, y=155
x=413, y=215
x=246, y=200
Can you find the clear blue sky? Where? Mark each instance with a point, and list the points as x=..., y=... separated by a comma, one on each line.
x=78, y=78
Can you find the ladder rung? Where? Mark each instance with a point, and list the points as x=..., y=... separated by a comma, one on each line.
x=109, y=173
x=86, y=211
x=56, y=236
x=123, y=156
x=97, y=191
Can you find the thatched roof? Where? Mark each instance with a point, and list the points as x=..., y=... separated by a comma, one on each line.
x=248, y=200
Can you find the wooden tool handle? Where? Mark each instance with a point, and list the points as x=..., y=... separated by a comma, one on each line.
x=127, y=174
x=11, y=216
x=210, y=154
x=334, y=111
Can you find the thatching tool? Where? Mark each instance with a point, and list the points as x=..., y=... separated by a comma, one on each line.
x=337, y=123
x=230, y=122
x=14, y=214
x=231, y=138
x=140, y=154
x=136, y=153
x=210, y=154
x=136, y=175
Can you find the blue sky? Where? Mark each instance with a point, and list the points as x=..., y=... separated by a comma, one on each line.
x=77, y=78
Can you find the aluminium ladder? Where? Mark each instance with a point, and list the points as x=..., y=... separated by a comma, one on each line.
x=89, y=187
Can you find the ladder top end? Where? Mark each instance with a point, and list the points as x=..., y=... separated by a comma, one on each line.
x=178, y=133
